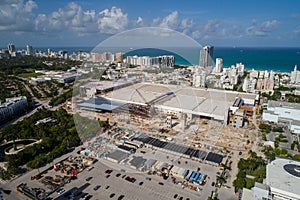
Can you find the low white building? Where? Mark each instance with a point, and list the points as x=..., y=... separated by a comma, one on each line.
x=249, y=85
x=12, y=106
x=283, y=112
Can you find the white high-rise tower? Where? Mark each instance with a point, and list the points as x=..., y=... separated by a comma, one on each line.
x=219, y=65
x=206, y=56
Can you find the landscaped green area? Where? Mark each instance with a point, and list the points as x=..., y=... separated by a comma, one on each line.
x=268, y=128
x=29, y=73
x=63, y=97
x=57, y=137
x=283, y=153
x=293, y=98
x=280, y=138
x=254, y=166
x=27, y=64
x=277, y=95
x=12, y=87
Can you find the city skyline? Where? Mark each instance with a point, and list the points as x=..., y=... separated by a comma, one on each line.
x=217, y=23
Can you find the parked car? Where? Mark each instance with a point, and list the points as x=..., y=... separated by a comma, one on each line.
x=112, y=195
x=97, y=187
x=88, y=197
x=60, y=191
x=121, y=197
x=88, y=178
x=90, y=168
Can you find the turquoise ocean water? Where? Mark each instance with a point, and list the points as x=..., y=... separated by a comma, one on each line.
x=276, y=59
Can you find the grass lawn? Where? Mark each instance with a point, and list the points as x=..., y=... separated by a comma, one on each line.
x=29, y=75
x=249, y=183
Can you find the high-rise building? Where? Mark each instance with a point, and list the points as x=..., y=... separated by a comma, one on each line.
x=219, y=65
x=29, y=50
x=97, y=57
x=206, y=56
x=108, y=57
x=199, y=77
x=11, y=48
x=240, y=69
x=159, y=61
x=295, y=75
x=119, y=57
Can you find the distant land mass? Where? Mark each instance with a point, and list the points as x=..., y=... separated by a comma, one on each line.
x=279, y=59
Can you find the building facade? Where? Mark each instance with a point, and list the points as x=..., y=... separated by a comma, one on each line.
x=295, y=75
x=283, y=112
x=12, y=107
x=206, y=56
x=219, y=65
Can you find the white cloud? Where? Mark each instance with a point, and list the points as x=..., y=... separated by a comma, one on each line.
x=73, y=18
x=262, y=30
x=269, y=25
x=16, y=16
x=29, y=6
x=174, y=22
x=139, y=21
x=187, y=25
x=170, y=21
x=156, y=21
x=211, y=26
x=112, y=21
x=196, y=34
x=211, y=29
x=233, y=31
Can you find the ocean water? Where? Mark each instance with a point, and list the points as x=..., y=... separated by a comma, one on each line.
x=276, y=59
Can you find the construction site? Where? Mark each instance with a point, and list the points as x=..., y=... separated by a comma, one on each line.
x=197, y=117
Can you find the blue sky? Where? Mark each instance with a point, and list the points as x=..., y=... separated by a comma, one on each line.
x=86, y=23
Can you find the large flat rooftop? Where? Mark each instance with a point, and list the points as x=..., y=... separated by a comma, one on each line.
x=204, y=102
x=283, y=104
x=283, y=176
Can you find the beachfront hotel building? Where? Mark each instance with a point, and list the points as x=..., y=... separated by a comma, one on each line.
x=295, y=75
x=206, y=56
x=165, y=61
x=219, y=65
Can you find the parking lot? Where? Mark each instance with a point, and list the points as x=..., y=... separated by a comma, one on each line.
x=119, y=185
x=116, y=183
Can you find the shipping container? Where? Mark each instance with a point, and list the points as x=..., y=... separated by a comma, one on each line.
x=202, y=180
x=196, y=177
x=185, y=173
x=193, y=177
x=188, y=176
